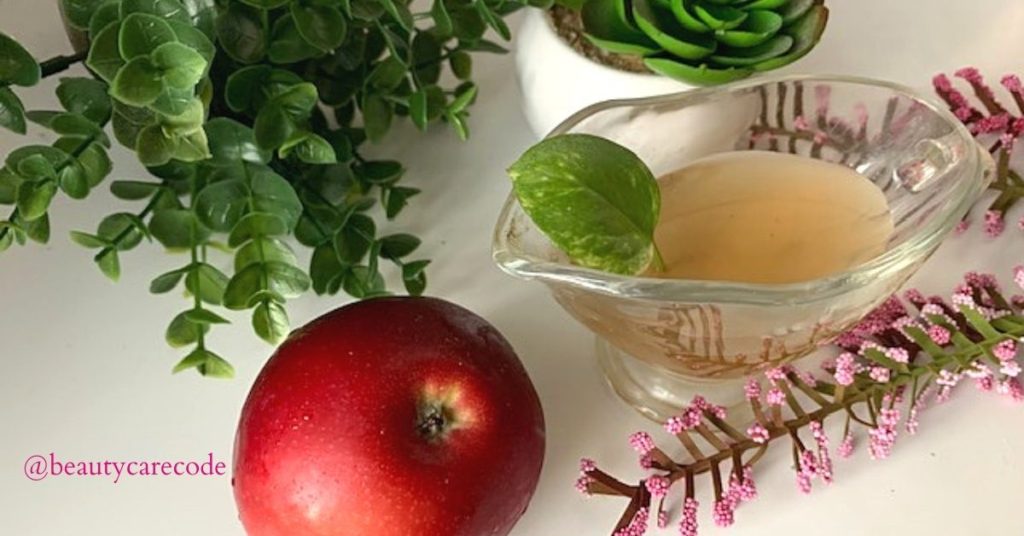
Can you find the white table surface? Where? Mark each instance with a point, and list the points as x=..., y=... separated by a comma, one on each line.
x=85, y=372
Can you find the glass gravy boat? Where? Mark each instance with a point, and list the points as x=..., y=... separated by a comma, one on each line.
x=660, y=341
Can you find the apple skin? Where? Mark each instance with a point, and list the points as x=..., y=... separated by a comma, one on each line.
x=389, y=417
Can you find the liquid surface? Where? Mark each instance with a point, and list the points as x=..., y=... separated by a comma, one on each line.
x=762, y=217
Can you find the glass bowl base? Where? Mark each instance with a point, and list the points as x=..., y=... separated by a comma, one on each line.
x=658, y=394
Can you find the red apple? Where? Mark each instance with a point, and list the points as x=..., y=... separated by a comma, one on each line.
x=389, y=417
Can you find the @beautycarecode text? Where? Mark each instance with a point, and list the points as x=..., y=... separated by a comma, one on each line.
x=42, y=466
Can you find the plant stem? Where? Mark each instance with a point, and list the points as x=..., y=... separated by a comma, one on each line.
x=59, y=64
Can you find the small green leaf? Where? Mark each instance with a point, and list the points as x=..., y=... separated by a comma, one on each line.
x=73, y=125
x=262, y=249
x=662, y=27
x=79, y=12
x=17, y=66
x=192, y=147
x=232, y=142
x=266, y=4
x=414, y=277
x=127, y=229
x=287, y=45
x=361, y=282
x=243, y=285
x=38, y=230
x=188, y=122
x=324, y=267
x=85, y=96
x=442, y=21
x=220, y=205
x=270, y=321
x=182, y=66
x=314, y=150
x=272, y=127
x=387, y=74
x=173, y=101
x=216, y=367
x=272, y=193
x=256, y=224
x=462, y=65
x=153, y=147
x=87, y=240
x=95, y=163
x=73, y=182
x=322, y=26
x=34, y=199
x=166, y=282
x=142, y=33
x=193, y=38
x=133, y=190
x=398, y=245
x=109, y=12
x=595, y=199
x=353, y=240
x=463, y=100
x=165, y=9
x=377, y=115
x=177, y=228
x=109, y=264
x=418, y=109
x=399, y=11
x=128, y=122
x=138, y=83
x=205, y=316
x=207, y=282
x=41, y=117
x=104, y=53
x=241, y=33
x=244, y=85
x=12, y=111
x=397, y=198
x=380, y=172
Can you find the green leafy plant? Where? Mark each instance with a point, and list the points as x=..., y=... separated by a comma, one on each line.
x=251, y=117
x=706, y=41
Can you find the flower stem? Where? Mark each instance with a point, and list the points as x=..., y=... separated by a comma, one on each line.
x=58, y=64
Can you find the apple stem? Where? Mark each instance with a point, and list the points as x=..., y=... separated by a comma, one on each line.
x=433, y=421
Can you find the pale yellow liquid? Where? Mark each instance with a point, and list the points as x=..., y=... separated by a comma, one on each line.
x=761, y=217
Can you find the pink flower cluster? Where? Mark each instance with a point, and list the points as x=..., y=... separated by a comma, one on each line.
x=637, y=526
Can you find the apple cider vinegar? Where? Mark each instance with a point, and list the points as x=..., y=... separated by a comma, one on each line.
x=762, y=217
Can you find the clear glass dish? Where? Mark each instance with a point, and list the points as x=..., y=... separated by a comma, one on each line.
x=661, y=340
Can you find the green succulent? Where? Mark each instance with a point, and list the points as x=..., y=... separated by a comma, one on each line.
x=707, y=41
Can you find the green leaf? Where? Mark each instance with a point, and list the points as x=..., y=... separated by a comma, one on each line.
x=41, y=117
x=806, y=32
x=177, y=228
x=109, y=263
x=34, y=199
x=192, y=147
x=608, y=26
x=387, y=74
x=95, y=163
x=76, y=126
x=87, y=240
x=462, y=65
x=418, y=109
x=361, y=282
x=298, y=100
x=79, y=12
x=272, y=193
x=270, y=321
x=114, y=225
x=262, y=249
x=759, y=26
x=53, y=155
x=128, y=122
x=195, y=39
x=286, y=279
x=17, y=66
x=241, y=33
x=12, y=111
x=183, y=332
x=215, y=366
x=493, y=20
x=701, y=75
x=188, y=122
x=399, y=245
x=463, y=100
x=207, y=282
x=142, y=33
x=243, y=86
x=153, y=147
x=133, y=190
x=232, y=142
x=257, y=224
x=173, y=101
x=109, y=12
x=287, y=45
x=73, y=182
x=426, y=58
x=353, y=240
x=243, y=285
x=314, y=150
x=742, y=57
x=322, y=26
x=104, y=53
x=85, y=96
x=182, y=66
x=138, y=83
x=166, y=282
x=205, y=316
x=377, y=115
x=220, y=205
x=595, y=199
x=272, y=127
x=38, y=230
x=400, y=13
x=35, y=168
x=414, y=277
x=442, y=21
x=380, y=172
x=266, y=4
x=397, y=198
x=165, y=9
x=661, y=26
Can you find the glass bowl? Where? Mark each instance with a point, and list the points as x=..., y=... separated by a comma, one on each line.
x=660, y=341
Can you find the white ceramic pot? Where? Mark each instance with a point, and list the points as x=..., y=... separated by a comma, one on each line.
x=556, y=81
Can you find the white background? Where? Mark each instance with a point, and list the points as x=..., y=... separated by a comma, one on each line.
x=84, y=371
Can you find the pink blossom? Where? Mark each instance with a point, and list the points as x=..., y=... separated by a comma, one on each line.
x=1012, y=83
x=724, y=512
x=587, y=465
x=939, y=335
x=583, y=484
x=947, y=378
x=775, y=397
x=915, y=297
x=688, y=525
x=845, y=449
x=1007, y=140
x=912, y=423
x=748, y=490
x=658, y=486
x=1010, y=368
x=637, y=526
x=662, y=519
x=758, y=433
x=641, y=442
x=646, y=461
x=1018, y=276
x=806, y=471
x=752, y=389
x=879, y=374
x=883, y=436
x=897, y=354
x=1006, y=350
x=699, y=402
x=845, y=369
x=825, y=460
x=994, y=223
x=1014, y=389
x=775, y=374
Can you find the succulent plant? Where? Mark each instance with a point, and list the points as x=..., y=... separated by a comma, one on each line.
x=706, y=41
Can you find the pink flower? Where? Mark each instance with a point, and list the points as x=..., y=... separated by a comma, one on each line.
x=699, y=402
x=964, y=224
x=748, y=490
x=1006, y=350
x=845, y=449
x=775, y=397
x=583, y=484
x=758, y=433
x=879, y=374
x=915, y=297
x=845, y=368
x=775, y=374
x=637, y=526
x=641, y=442
x=658, y=486
x=587, y=465
x=752, y=389
x=994, y=224
x=662, y=519
x=883, y=436
x=911, y=425
x=1012, y=83
x=806, y=471
x=1010, y=368
x=1014, y=389
x=825, y=460
x=724, y=512
x=939, y=335
x=947, y=378
x=688, y=525
x=897, y=354
x=1018, y=276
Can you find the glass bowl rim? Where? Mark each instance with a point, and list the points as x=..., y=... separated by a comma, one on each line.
x=919, y=244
